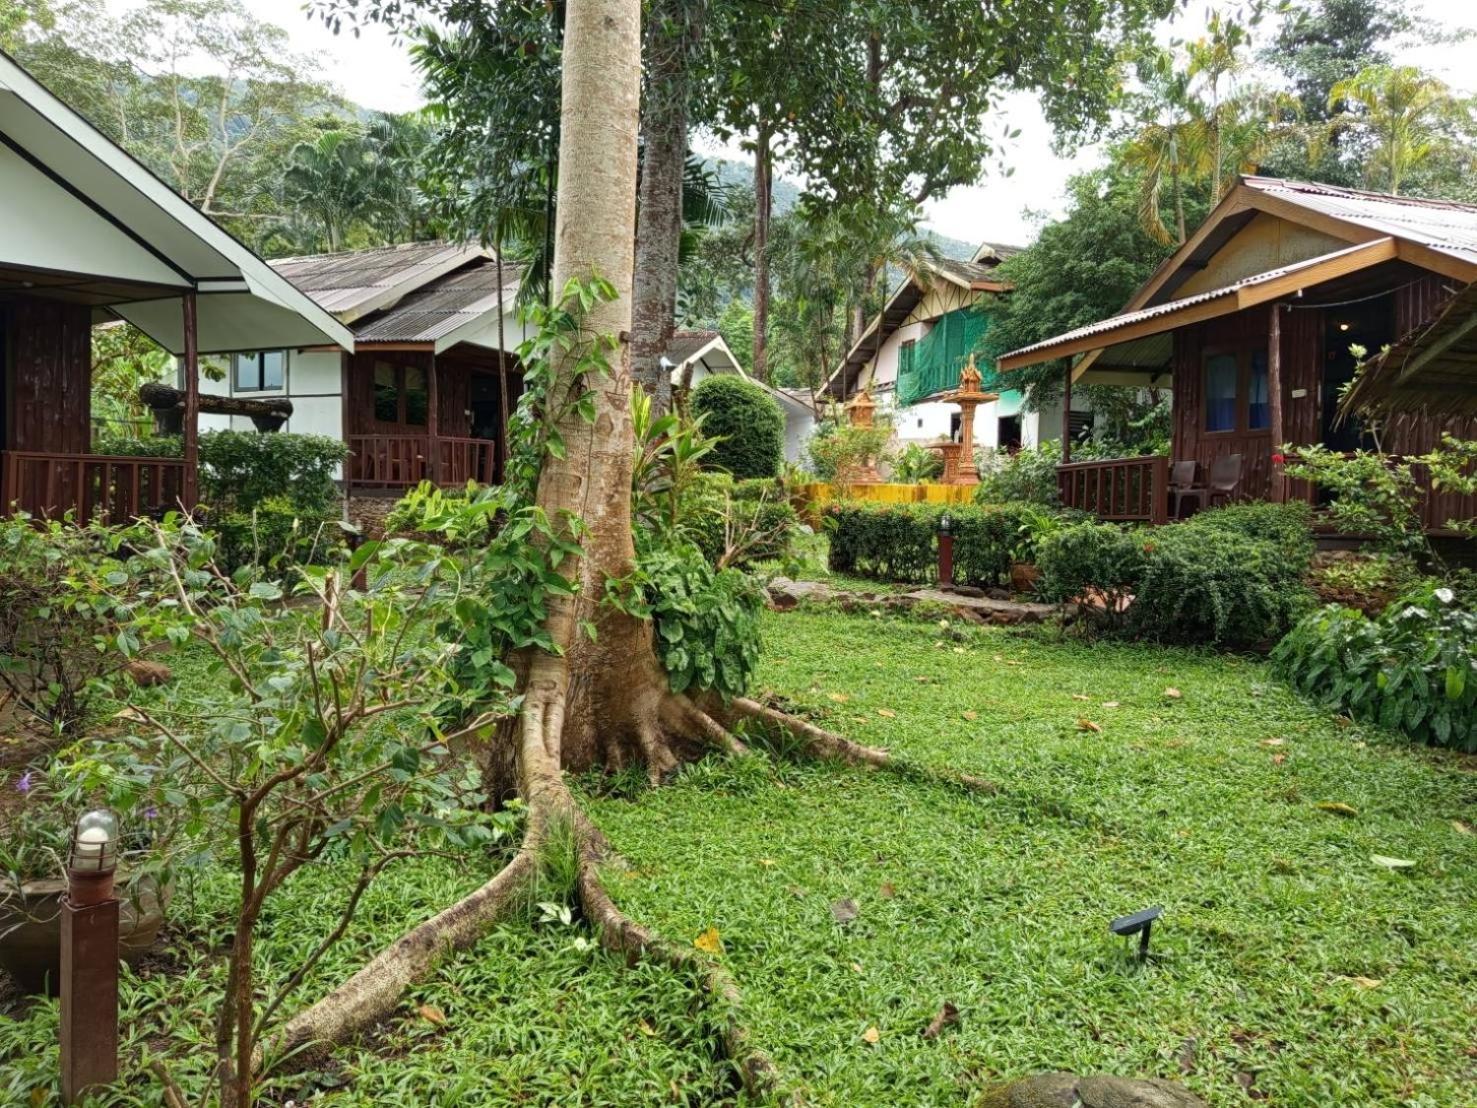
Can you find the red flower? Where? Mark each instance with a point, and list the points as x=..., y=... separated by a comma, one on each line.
x=1279, y=458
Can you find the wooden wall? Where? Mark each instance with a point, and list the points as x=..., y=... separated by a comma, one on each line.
x=452, y=386
x=48, y=383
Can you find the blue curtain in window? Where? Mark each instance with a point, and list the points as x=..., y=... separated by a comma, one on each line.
x=1220, y=392
x=1259, y=400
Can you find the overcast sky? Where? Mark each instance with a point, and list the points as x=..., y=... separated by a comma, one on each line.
x=375, y=71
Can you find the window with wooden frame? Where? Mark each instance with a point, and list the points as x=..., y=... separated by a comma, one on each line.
x=401, y=394
x=1236, y=392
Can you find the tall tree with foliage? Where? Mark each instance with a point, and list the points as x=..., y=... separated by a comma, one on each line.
x=1401, y=119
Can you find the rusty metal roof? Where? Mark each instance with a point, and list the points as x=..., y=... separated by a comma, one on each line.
x=442, y=305
x=353, y=284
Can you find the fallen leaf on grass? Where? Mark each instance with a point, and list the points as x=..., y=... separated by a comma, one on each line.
x=887, y=713
x=432, y=1014
x=1278, y=759
x=767, y=862
x=709, y=942
x=838, y=697
x=1461, y=828
x=844, y=910
x=923, y=680
x=972, y=715
x=1364, y=982
x=1391, y=863
x=888, y=890
x=646, y=1029
x=1273, y=742
x=871, y=1034
x=1080, y=696
x=856, y=967
x=1337, y=808
x=1173, y=693
x=1110, y=703
x=1088, y=725
x=947, y=1016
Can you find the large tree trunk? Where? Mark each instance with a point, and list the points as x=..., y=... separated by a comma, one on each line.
x=674, y=27
x=763, y=207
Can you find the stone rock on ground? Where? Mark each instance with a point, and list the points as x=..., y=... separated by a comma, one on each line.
x=985, y=609
x=785, y=594
x=1067, y=1090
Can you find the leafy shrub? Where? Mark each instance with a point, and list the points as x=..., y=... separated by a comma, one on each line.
x=158, y=446
x=65, y=608
x=1211, y=580
x=1369, y=582
x=747, y=422
x=276, y=532
x=898, y=542
x=1028, y=474
x=837, y=450
x=420, y=511
x=1215, y=585
x=916, y=464
x=1414, y=668
x=706, y=620
x=240, y=469
x=735, y=523
x=1097, y=563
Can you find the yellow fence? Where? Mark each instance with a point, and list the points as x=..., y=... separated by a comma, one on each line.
x=812, y=499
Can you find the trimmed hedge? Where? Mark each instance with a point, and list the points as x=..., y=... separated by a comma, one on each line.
x=747, y=422
x=898, y=542
x=1231, y=577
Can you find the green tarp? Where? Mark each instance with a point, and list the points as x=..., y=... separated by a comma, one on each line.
x=932, y=364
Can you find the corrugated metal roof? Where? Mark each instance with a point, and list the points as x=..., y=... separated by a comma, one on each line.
x=353, y=283
x=1440, y=224
x=442, y=305
x=1173, y=307
x=965, y=273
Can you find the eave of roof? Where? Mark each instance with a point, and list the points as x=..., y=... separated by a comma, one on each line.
x=1173, y=314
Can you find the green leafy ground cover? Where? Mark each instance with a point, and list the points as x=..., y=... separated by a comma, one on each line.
x=1294, y=967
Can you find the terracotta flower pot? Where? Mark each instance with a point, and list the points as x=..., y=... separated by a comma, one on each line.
x=31, y=927
x=1023, y=577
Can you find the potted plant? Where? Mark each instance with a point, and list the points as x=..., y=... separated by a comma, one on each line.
x=1036, y=523
x=33, y=850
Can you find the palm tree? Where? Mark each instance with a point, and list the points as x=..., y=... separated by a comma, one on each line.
x=332, y=181
x=1168, y=149
x=1403, y=115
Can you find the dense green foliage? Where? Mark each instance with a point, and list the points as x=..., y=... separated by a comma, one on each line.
x=1231, y=577
x=706, y=619
x=899, y=542
x=1028, y=474
x=737, y=522
x=1413, y=668
x=837, y=449
x=747, y=423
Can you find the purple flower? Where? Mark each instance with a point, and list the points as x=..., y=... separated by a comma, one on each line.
x=151, y=813
x=24, y=784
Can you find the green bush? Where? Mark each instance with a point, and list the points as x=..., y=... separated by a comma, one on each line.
x=1028, y=474
x=241, y=469
x=706, y=620
x=914, y=464
x=277, y=532
x=737, y=522
x=1413, y=669
x=747, y=422
x=1232, y=577
x=898, y=542
x=159, y=446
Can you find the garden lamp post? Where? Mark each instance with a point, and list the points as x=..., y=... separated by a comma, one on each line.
x=89, y=1002
x=946, y=552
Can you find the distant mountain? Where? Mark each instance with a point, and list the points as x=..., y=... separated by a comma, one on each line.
x=787, y=195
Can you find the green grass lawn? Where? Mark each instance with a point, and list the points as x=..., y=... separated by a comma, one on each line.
x=1290, y=963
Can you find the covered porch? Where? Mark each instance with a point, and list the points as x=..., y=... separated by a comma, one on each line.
x=91, y=236
x=1252, y=368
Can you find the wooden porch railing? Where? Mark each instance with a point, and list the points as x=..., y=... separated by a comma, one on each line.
x=115, y=488
x=1124, y=489
x=403, y=461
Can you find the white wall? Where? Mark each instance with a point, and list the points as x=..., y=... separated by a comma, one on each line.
x=313, y=383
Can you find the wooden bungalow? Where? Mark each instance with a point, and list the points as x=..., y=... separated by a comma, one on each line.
x=1253, y=324
x=427, y=389
x=90, y=235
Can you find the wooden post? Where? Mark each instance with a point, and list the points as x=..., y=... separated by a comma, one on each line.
x=191, y=495
x=502, y=373
x=433, y=422
x=1067, y=418
x=1278, y=492
x=89, y=994
x=1159, y=491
